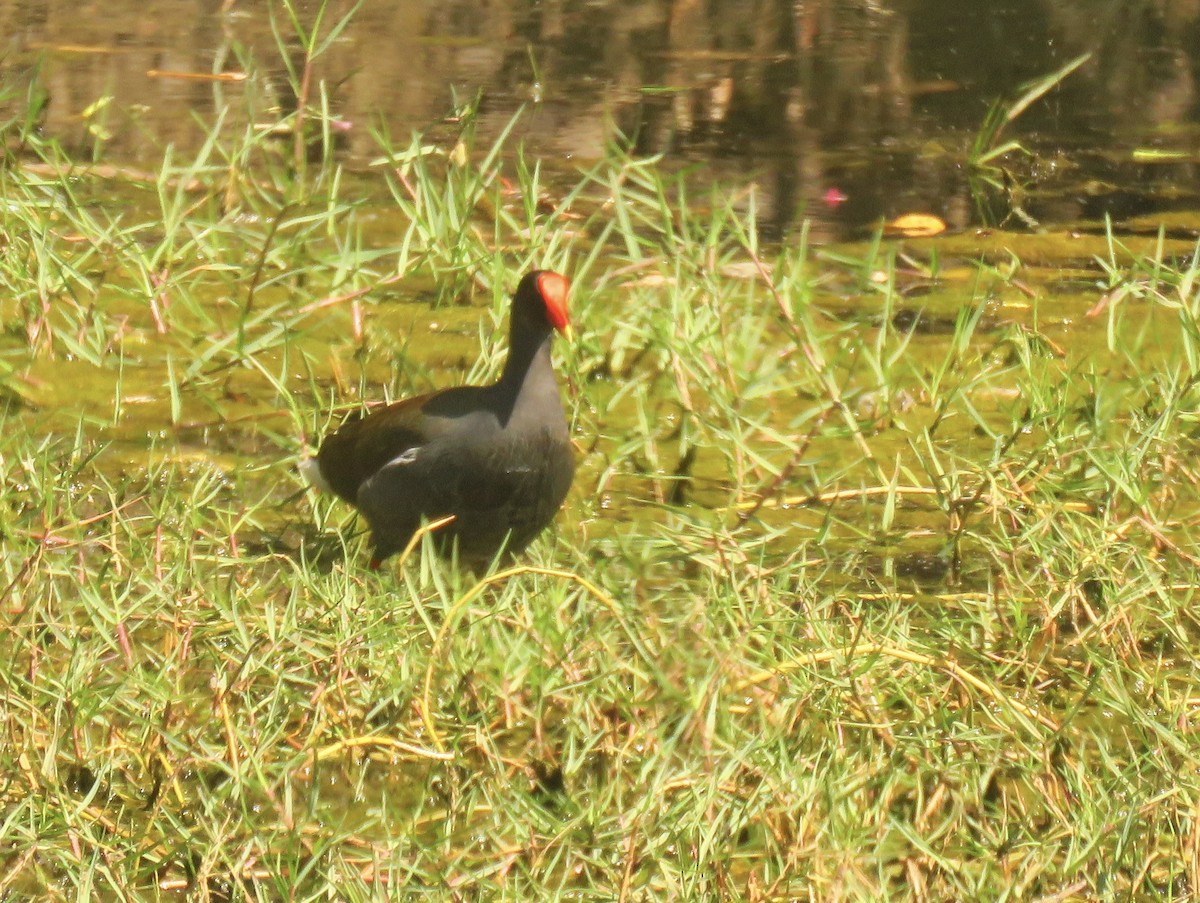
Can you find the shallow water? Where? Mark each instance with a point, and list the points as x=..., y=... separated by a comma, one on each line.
x=842, y=113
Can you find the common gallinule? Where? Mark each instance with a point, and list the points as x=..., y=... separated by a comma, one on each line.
x=498, y=458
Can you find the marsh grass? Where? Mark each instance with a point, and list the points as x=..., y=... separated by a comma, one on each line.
x=876, y=581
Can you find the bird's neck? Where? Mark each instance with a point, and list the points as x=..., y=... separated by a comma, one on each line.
x=527, y=376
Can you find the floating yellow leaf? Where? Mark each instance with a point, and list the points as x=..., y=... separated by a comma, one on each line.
x=198, y=76
x=915, y=225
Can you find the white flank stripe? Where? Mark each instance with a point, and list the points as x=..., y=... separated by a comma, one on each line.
x=408, y=456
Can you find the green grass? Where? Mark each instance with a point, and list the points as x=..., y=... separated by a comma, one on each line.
x=876, y=581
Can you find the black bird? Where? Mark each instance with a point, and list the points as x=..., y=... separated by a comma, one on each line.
x=497, y=458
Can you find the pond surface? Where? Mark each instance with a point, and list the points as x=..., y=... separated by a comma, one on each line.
x=840, y=112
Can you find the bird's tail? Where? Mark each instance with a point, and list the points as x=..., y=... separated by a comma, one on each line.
x=310, y=470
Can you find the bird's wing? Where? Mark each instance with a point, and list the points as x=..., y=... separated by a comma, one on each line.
x=364, y=445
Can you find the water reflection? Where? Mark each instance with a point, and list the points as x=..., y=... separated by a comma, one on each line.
x=841, y=110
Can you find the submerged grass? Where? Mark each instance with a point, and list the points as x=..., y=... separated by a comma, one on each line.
x=876, y=582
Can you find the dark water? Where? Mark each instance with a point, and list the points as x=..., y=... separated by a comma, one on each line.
x=841, y=112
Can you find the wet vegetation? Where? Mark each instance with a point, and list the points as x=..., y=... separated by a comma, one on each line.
x=876, y=580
